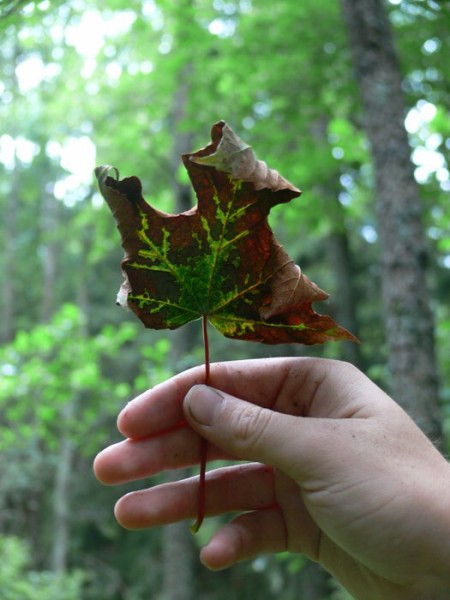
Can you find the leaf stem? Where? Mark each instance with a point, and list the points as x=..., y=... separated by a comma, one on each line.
x=206, y=349
x=203, y=443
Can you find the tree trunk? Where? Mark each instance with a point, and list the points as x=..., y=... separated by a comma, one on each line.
x=340, y=261
x=50, y=217
x=178, y=574
x=62, y=509
x=49, y=223
x=338, y=252
x=9, y=227
x=178, y=547
x=408, y=319
x=61, y=491
x=11, y=207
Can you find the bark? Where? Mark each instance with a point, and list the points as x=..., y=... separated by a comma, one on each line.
x=344, y=301
x=8, y=291
x=61, y=492
x=178, y=575
x=407, y=316
x=341, y=262
x=9, y=229
x=50, y=253
x=66, y=451
x=178, y=547
x=62, y=505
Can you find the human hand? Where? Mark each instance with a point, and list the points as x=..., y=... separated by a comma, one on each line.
x=342, y=474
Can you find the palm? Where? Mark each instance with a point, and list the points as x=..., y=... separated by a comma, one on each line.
x=350, y=469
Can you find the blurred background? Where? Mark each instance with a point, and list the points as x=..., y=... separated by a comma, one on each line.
x=134, y=84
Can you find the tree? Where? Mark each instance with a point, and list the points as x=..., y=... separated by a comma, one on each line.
x=73, y=75
x=178, y=546
x=53, y=425
x=19, y=582
x=407, y=313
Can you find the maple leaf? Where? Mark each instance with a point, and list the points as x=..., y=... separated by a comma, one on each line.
x=220, y=260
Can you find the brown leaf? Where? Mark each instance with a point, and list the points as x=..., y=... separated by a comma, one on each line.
x=220, y=259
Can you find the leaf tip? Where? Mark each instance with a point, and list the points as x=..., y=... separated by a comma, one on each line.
x=102, y=172
x=229, y=154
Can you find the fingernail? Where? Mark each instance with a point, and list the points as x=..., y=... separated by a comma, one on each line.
x=202, y=402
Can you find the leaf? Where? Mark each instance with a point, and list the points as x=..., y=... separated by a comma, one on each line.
x=220, y=259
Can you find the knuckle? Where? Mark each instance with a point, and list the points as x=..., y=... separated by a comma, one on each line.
x=250, y=426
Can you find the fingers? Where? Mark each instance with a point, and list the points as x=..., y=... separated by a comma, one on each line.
x=130, y=459
x=239, y=429
x=257, y=381
x=300, y=447
x=247, y=536
x=246, y=487
x=239, y=488
x=160, y=439
x=296, y=386
x=158, y=435
x=244, y=430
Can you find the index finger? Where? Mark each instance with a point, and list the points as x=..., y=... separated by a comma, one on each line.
x=160, y=408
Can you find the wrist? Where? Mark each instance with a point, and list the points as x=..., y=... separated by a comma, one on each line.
x=423, y=568
x=434, y=582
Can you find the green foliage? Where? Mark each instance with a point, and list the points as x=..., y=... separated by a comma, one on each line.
x=55, y=364
x=58, y=364
x=19, y=582
x=59, y=385
x=137, y=84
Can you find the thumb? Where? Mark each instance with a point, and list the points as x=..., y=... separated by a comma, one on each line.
x=244, y=430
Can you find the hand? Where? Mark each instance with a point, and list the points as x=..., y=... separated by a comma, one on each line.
x=342, y=474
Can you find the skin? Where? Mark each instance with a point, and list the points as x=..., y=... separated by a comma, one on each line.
x=337, y=471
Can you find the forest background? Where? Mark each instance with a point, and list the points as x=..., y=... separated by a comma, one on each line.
x=134, y=84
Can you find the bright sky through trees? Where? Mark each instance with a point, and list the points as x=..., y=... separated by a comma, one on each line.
x=135, y=84
x=91, y=34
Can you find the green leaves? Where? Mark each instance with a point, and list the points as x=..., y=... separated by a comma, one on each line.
x=220, y=259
